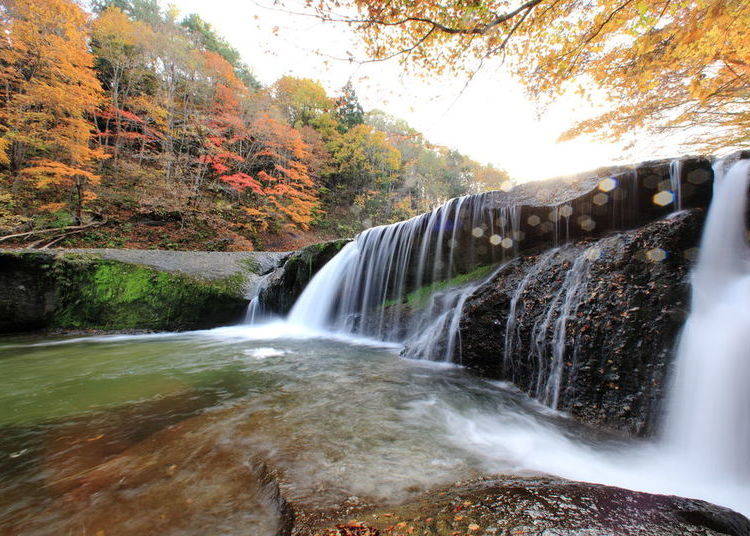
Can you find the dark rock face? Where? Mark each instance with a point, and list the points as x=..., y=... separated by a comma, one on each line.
x=77, y=291
x=541, y=507
x=27, y=292
x=284, y=285
x=594, y=324
x=494, y=227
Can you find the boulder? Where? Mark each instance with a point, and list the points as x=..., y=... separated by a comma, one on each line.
x=537, y=507
x=597, y=343
x=81, y=291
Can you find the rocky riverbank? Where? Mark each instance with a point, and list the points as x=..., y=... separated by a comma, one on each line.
x=126, y=290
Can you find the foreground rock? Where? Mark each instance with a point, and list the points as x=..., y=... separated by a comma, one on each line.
x=538, y=507
x=593, y=324
x=63, y=290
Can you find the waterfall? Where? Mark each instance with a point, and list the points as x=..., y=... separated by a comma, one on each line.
x=436, y=335
x=675, y=181
x=510, y=326
x=317, y=303
x=574, y=286
x=253, y=311
x=398, y=282
x=708, y=418
x=549, y=352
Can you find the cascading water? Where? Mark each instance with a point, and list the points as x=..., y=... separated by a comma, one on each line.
x=510, y=326
x=398, y=283
x=365, y=289
x=572, y=289
x=708, y=421
x=253, y=311
x=675, y=180
x=548, y=341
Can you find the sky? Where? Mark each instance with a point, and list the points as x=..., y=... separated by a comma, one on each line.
x=490, y=120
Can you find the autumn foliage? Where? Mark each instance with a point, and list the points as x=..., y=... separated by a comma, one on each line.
x=50, y=92
x=656, y=65
x=129, y=113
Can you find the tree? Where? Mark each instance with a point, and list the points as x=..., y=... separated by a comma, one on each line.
x=663, y=65
x=489, y=178
x=49, y=92
x=205, y=35
x=147, y=11
x=280, y=160
x=362, y=161
x=348, y=109
x=122, y=50
x=262, y=158
x=301, y=99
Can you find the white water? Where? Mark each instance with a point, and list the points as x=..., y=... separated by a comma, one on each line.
x=351, y=294
x=705, y=452
x=417, y=422
x=708, y=421
x=317, y=303
x=572, y=289
x=675, y=180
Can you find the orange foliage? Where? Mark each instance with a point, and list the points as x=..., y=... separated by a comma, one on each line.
x=50, y=89
x=262, y=158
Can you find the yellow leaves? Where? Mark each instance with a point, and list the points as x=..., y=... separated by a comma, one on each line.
x=663, y=59
x=52, y=207
x=5, y=144
x=49, y=108
x=49, y=173
x=301, y=98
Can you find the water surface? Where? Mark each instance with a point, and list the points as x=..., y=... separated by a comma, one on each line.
x=152, y=433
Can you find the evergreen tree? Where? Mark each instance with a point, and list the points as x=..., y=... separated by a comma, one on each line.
x=348, y=109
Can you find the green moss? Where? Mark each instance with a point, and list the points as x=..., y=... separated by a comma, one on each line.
x=251, y=265
x=102, y=294
x=420, y=297
x=233, y=285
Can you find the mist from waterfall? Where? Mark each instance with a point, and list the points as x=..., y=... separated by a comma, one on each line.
x=708, y=420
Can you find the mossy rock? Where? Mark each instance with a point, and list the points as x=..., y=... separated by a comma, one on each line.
x=75, y=291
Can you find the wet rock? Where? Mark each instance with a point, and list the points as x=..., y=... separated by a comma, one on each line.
x=286, y=283
x=539, y=507
x=85, y=291
x=607, y=361
x=497, y=226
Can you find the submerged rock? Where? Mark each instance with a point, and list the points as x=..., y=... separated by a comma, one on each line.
x=538, y=507
x=589, y=328
x=182, y=480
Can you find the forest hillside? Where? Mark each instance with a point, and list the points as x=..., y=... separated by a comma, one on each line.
x=124, y=125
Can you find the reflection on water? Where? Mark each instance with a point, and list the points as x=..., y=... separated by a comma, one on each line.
x=164, y=434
